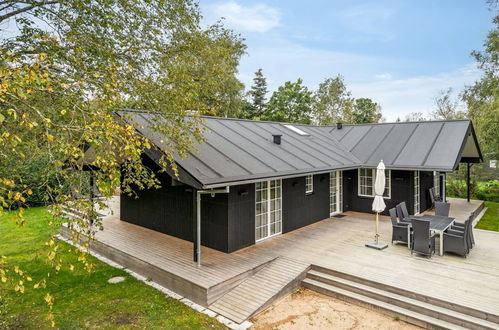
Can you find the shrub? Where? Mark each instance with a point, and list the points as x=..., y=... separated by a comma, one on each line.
x=486, y=191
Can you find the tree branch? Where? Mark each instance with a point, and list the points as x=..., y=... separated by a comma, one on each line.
x=25, y=9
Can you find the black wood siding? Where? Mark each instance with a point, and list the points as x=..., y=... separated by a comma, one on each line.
x=168, y=209
x=402, y=190
x=241, y=217
x=300, y=209
x=214, y=221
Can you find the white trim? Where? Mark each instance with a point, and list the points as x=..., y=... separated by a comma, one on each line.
x=268, y=201
x=388, y=188
x=417, y=192
x=338, y=186
x=309, y=184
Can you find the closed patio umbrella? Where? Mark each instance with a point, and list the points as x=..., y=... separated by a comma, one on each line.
x=378, y=203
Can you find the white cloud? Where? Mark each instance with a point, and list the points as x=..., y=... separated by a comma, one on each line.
x=415, y=94
x=365, y=76
x=385, y=75
x=282, y=60
x=255, y=18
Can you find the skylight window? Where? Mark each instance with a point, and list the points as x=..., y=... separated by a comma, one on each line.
x=296, y=130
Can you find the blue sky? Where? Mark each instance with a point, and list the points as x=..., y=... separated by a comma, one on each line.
x=399, y=53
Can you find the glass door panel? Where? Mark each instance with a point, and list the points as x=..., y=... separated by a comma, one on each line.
x=335, y=192
x=268, y=213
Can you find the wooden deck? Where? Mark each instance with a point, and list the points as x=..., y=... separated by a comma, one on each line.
x=335, y=243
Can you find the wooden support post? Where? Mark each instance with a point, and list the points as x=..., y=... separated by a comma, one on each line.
x=468, y=181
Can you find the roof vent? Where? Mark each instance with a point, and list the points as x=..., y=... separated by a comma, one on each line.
x=277, y=138
x=339, y=125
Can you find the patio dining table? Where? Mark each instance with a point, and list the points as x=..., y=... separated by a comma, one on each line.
x=438, y=224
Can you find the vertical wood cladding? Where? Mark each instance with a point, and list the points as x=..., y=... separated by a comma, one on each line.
x=167, y=209
x=241, y=217
x=402, y=190
x=300, y=209
x=170, y=210
x=214, y=221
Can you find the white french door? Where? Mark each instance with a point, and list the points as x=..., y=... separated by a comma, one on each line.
x=335, y=192
x=268, y=209
x=417, y=196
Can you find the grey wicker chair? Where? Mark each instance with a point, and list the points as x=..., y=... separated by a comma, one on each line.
x=434, y=196
x=402, y=212
x=460, y=226
x=457, y=241
x=399, y=229
x=422, y=242
x=442, y=208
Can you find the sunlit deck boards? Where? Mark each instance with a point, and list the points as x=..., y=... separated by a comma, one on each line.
x=278, y=277
x=336, y=243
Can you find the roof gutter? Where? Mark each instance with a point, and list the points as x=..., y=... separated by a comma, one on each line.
x=241, y=182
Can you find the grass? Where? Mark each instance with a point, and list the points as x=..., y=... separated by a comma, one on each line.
x=82, y=299
x=490, y=220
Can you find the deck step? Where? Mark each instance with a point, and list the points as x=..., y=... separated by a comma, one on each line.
x=378, y=305
x=277, y=279
x=401, y=300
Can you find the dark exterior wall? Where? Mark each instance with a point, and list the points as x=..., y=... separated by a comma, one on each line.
x=241, y=217
x=168, y=209
x=426, y=182
x=402, y=190
x=214, y=221
x=300, y=209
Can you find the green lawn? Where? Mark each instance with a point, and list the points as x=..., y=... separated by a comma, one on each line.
x=82, y=299
x=490, y=220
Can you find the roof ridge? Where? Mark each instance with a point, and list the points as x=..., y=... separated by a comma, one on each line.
x=297, y=124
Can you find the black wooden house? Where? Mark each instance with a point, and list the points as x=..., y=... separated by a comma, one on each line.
x=252, y=180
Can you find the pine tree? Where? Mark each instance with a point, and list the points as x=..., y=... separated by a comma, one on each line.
x=258, y=94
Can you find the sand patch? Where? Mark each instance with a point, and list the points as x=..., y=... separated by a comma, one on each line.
x=306, y=309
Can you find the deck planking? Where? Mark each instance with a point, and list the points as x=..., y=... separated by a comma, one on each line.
x=335, y=243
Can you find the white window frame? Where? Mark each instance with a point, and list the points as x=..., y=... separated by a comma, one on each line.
x=335, y=192
x=417, y=192
x=273, y=208
x=388, y=182
x=309, y=184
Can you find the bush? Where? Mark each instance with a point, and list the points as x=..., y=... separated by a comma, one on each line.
x=486, y=191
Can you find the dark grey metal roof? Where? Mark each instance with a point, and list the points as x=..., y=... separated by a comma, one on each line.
x=426, y=145
x=238, y=150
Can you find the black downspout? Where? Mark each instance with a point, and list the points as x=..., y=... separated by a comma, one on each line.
x=194, y=225
x=468, y=181
x=92, y=195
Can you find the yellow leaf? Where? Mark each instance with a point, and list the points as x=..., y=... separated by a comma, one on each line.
x=50, y=137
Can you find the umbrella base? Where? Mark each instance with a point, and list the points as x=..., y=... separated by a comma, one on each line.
x=376, y=246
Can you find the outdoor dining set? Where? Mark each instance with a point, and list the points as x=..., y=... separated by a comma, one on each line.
x=420, y=231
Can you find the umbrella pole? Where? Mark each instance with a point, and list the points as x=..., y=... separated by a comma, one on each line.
x=377, y=235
